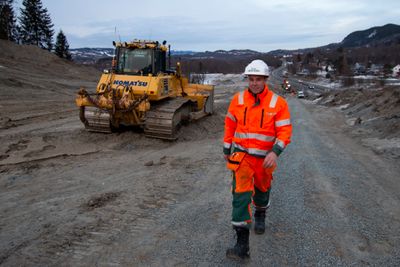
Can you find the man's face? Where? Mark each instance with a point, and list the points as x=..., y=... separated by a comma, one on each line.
x=256, y=83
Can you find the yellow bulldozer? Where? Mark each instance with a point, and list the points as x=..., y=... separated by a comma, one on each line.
x=139, y=90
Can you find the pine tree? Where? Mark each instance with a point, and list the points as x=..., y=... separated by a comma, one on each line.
x=36, y=25
x=29, y=23
x=48, y=32
x=62, y=46
x=8, y=28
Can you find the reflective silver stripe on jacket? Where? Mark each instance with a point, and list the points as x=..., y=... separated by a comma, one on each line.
x=282, y=123
x=274, y=99
x=227, y=145
x=261, y=137
x=252, y=151
x=239, y=223
x=241, y=98
x=280, y=143
x=230, y=116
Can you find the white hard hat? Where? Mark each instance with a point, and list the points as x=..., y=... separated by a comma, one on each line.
x=257, y=67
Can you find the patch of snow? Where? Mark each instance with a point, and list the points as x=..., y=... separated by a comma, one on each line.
x=324, y=82
x=392, y=81
x=343, y=106
x=315, y=101
x=211, y=77
x=2, y=67
x=365, y=77
x=374, y=118
x=328, y=99
x=372, y=34
x=353, y=121
x=214, y=78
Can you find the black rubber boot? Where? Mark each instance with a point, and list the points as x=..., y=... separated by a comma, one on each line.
x=259, y=221
x=241, y=250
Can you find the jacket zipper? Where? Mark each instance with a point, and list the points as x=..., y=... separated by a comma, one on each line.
x=262, y=118
x=245, y=111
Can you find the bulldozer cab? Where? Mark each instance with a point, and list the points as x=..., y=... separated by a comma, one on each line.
x=140, y=61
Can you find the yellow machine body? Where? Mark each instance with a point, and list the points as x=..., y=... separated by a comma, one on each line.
x=125, y=94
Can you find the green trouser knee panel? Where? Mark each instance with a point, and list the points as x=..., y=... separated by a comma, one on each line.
x=240, y=204
x=240, y=207
x=261, y=198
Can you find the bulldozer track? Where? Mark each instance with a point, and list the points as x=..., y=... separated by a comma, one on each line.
x=163, y=122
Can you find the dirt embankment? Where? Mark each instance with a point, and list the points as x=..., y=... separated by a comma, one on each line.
x=34, y=82
x=374, y=115
x=37, y=92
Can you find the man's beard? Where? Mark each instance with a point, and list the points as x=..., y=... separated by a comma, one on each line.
x=256, y=90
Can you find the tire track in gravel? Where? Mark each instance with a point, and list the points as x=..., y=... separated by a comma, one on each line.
x=145, y=206
x=346, y=213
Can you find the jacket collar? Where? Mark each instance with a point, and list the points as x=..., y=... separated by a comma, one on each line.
x=261, y=95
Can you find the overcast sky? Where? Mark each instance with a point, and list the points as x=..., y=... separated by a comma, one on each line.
x=260, y=25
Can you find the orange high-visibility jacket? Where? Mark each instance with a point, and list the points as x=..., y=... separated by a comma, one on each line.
x=257, y=124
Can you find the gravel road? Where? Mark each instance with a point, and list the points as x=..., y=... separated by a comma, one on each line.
x=72, y=198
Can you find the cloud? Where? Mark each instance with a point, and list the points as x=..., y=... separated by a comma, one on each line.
x=211, y=25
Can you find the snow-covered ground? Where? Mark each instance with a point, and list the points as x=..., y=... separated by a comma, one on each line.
x=375, y=78
x=366, y=77
x=365, y=81
x=392, y=81
x=326, y=83
x=217, y=78
x=212, y=77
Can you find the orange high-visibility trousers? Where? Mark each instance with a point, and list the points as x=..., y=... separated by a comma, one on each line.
x=250, y=182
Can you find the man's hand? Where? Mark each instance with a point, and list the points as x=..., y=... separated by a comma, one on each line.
x=270, y=160
x=226, y=157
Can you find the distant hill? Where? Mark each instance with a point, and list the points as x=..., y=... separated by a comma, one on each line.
x=89, y=56
x=100, y=58
x=373, y=42
x=92, y=55
x=223, y=54
x=388, y=34
x=183, y=52
x=383, y=35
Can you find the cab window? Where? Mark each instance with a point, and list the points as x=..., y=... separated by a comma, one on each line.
x=134, y=61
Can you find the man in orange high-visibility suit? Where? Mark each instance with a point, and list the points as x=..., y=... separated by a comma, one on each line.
x=257, y=130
